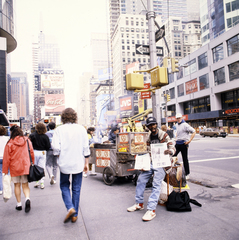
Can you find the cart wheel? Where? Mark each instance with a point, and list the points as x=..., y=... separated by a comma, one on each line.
x=108, y=176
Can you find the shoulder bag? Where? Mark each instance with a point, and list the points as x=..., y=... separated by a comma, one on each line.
x=35, y=172
x=180, y=202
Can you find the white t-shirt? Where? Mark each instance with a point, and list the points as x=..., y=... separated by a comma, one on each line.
x=71, y=143
x=3, y=142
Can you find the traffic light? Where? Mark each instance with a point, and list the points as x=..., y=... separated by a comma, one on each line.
x=168, y=97
x=134, y=81
x=174, y=65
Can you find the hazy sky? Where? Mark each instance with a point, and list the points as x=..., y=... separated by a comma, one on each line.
x=71, y=23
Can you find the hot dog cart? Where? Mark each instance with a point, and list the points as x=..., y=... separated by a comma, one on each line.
x=117, y=160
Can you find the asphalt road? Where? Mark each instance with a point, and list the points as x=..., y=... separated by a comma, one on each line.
x=103, y=212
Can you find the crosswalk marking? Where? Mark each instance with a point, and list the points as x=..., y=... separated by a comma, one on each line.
x=213, y=159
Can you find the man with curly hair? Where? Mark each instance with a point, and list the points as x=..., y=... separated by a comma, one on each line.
x=71, y=144
x=41, y=144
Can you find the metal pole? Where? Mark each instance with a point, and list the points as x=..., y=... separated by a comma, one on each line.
x=153, y=57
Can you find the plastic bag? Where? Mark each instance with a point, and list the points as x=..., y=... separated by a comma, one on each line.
x=7, y=189
x=163, y=197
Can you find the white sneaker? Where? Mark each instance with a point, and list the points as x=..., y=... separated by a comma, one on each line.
x=54, y=182
x=93, y=174
x=84, y=174
x=135, y=207
x=149, y=215
x=0, y=192
x=42, y=186
x=187, y=177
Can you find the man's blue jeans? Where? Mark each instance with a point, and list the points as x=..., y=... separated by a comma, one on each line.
x=71, y=202
x=159, y=175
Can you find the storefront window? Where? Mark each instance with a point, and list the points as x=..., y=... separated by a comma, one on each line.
x=230, y=99
x=233, y=71
x=204, y=82
x=233, y=45
x=219, y=76
x=202, y=61
x=180, y=90
x=217, y=53
x=197, y=105
x=172, y=109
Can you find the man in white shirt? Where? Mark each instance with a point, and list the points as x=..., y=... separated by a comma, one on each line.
x=3, y=141
x=70, y=142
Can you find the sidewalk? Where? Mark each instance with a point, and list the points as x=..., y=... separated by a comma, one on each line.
x=104, y=216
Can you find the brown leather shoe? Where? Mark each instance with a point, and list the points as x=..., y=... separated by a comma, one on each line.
x=74, y=219
x=70, y=214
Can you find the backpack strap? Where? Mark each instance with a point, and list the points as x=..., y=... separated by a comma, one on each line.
x=195, y=202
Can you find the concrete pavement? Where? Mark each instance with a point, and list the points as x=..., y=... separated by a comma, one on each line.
x=103, y=213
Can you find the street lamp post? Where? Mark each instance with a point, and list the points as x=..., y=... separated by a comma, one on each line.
x=153, y=56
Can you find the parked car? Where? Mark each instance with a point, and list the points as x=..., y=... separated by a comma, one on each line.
x=210, y=132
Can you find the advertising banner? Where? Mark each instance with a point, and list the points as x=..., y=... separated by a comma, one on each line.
x=105, y=74
x=130, y=68
x=191, y=86
x=126, y=106
x=54, y=103
x=52, y=81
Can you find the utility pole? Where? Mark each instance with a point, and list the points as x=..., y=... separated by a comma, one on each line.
x=153, y=57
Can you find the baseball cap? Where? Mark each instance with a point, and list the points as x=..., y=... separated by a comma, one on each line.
x=151, y=120
x=179, y=115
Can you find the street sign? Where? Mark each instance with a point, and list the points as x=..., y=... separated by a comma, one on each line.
x=146, y=95
x=144, y=50
x=160, y=33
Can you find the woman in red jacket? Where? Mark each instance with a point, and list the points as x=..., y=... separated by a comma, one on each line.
x=16, y=158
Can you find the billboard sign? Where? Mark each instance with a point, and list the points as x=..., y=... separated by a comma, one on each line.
x=130, y=68
x=105, y=74
x=191, y=86
x=126, y=103
x=54, y=103
x=52, y=81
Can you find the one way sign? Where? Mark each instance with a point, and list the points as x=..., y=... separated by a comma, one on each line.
x=144, y=50
x=160, y=34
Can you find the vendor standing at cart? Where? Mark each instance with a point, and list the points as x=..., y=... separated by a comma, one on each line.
x=156, y=135
x=112, y=135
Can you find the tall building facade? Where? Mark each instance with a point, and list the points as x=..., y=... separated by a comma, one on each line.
x=7, y=44
x=19, y=93
x=48, y=87
x=206, y=89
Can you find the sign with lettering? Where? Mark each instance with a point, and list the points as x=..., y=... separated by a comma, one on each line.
x=126, y=103
x=146, y=95
x=191, y=86
x=54, y=103
x=52, y=81
x=102, y=158
x=144, y=50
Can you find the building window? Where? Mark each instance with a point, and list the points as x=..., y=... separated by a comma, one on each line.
x=122, y=41
x=202, y=61
x=230, y=99
x=128, y=47
x=219, y=76
x=197, y=105
x=217, y=53
x=233, y=71
x=228, y=7
x=204, y=82
x=132, y=23
x=191, y=67
x=172, y=93
x=233, y=45
x=122, y=47
x=180, y=90
x=127, y=22
x=170, y=77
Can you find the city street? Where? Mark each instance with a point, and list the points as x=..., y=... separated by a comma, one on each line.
x=214, y=168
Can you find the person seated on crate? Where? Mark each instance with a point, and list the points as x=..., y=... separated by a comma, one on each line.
x=112, y=134
x=156, y=135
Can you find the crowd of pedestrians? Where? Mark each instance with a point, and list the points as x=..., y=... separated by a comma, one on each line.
x=67, y=147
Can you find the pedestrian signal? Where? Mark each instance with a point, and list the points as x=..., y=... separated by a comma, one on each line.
x=174, y=65
x=159, y=77
x=134, y=81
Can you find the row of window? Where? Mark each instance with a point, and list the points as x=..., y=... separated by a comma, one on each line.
x=122, y=29
x=232, y=6
x=218, y=54
x=136, y=23
x=192, y=85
